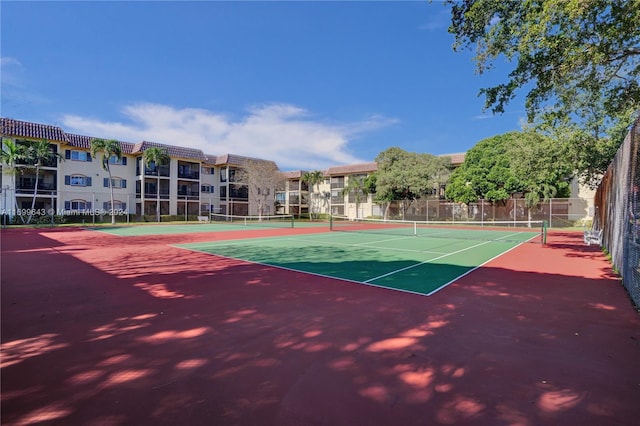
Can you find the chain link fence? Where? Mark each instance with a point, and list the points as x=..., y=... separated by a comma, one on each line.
x=617, y=203
x=557, y=212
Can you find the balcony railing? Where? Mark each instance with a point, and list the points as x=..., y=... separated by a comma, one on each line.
x=162, y=170
x=152, y=195
x=189, y=175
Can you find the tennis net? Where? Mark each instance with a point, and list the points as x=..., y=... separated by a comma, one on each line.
x=276, y=221
x=520, y=231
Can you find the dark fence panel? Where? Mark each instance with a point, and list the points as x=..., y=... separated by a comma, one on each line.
x=617, y=203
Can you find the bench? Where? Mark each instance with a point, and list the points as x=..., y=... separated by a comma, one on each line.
x=203, y=219
x=593, y=237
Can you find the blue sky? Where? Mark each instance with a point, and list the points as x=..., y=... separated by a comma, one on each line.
x=306, y=84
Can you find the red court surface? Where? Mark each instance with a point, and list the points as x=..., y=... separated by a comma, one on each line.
x=104, y=330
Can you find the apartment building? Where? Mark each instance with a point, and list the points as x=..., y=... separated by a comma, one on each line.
x=191, y=183
x=329, y=196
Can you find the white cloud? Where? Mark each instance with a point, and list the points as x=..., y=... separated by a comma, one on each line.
x=483, y=116
x=437, y=20
x=286, y=134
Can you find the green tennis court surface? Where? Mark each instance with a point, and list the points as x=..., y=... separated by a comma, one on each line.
x=185, y=228
x=139, y=230
x=420, y=265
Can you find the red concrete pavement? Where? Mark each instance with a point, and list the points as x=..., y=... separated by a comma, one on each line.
x=98, y=329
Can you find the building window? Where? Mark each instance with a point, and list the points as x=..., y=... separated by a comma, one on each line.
x=77, y=205
x=337, y=210
x=337, y=197
x=77, y=155
x=337, y=182
x=118, y=205
x=118, y=162
x=77, y=180
x=207, y=170
x=223, y=174
x=207, y=189
x=115, y=182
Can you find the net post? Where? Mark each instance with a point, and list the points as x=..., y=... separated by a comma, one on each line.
x=544, y=232
x=415, y=229
x=291, y=220
x=330, y=222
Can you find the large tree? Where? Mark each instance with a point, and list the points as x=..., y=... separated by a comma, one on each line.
x=262, y=179
x=356, y=186
x=38, y=154
x=579, y=60
x=10, y=155
x=516, y=162
x=313, y=180
x=157, y=157
x=406, y=176
x=108, y=149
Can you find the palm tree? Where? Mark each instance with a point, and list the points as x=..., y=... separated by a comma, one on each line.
x=10, y=154
x=313, y=179
x=157, y=156
x=357, y=187
x=37, y=154
x=108, y=148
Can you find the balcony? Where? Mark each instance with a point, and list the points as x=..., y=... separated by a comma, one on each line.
x=153, y=195
x=188, y=170
x=29, y=187
x=189, y=175
x=162, y=171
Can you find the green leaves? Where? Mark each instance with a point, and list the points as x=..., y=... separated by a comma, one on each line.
x=580, y=58
x=108, y=148
x=406, y=175
x=561, y=47
x=516, y=162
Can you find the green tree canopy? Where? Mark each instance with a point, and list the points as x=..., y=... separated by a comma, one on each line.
x=516, y=162
x=108, y=148
x=403, y=175
x=313, y=180
x=156, y=156
x=579, y=60
x=574, y=52
x=357, y=187
x=38, y=154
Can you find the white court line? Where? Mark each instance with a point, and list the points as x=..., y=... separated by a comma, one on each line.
x=333, y=243
x=310, y=273
x=426, y=261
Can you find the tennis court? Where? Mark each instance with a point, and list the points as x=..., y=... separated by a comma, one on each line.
x=415, y=257
x=100, y=329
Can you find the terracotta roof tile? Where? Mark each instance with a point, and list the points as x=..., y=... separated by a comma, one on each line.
x=25, y=129
x=237, y=160
x=456, y=159
x=296, y=174
x=82, y=141
x=351, y=169
x=210, y=159
x=172, y=150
